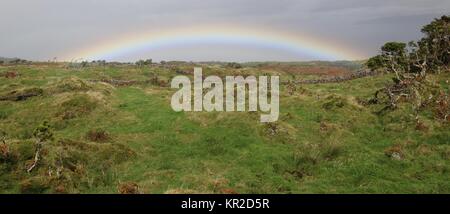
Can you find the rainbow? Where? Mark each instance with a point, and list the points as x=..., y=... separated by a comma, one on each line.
x=145, y=41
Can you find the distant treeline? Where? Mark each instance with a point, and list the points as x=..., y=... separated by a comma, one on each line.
x=13, y=61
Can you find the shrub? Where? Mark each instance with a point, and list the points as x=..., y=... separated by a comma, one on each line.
x=395, y=152
x=98, y=135
x=333, y=102
x=442, y=107
x=24, y=150
x=34, y=185
x=42, y=134
x=234, y=65
x=4, y=114
x=128, y=188
x=308, y=155
x=11, y=74
x=69, y=85
x=5, y=151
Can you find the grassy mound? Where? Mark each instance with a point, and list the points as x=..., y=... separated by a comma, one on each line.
x=77, y=106
x=66, y=166
x=22, y=94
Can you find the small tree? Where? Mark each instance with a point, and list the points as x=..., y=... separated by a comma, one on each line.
x=148, y=62
x=42, y=134
x=375, y=63
x=394, y=54
x=234, y=65
x=417, y=61
x=436, y=43
x=140, y=63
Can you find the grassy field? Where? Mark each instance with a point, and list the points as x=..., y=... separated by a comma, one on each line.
x=115, y=131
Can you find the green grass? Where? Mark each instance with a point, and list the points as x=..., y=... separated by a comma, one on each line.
x=324, y=141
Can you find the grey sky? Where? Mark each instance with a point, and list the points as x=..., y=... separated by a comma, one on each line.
x=43, y=29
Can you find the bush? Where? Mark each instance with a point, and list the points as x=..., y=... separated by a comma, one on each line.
x=34, y=185
x=395, y=152
x=307, y=156
x=3, y=114
x=442, y=107
x=128, y=188
x=5, y=154
x=11, y=74
x=24, y=150
x=234, y=65
x=98, y=135
x=333, y=102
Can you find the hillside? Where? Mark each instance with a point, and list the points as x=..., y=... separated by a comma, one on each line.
x=114, y=132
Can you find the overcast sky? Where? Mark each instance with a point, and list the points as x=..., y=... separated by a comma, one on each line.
x=43, y=29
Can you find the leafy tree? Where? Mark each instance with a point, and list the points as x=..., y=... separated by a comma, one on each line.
x=395, y=55
x=375, y=63
x=417, y=61
x=436, y=43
